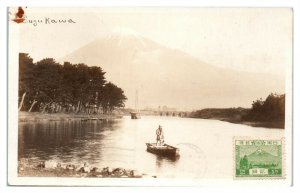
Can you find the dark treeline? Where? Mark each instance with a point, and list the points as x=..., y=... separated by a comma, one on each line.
x=225, y=114
x=47, y=86
x=272, y=109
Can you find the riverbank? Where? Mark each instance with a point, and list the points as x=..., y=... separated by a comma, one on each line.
x=233, y=115
x=36, y=116
x=54, y=169
x=279, y=125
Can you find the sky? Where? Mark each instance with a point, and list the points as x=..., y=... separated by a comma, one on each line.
x=246, y=39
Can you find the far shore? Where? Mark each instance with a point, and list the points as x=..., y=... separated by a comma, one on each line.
x=270, y=125
x=37, y=116
x=235, y=115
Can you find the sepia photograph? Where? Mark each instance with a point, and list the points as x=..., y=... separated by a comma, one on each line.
x=125, y=95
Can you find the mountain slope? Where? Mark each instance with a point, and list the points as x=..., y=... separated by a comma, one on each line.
x=165, y=76
x=261, y=156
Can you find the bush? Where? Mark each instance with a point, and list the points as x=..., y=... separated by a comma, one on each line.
x=270, y=110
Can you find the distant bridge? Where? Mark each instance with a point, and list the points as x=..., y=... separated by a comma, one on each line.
x=166, y=113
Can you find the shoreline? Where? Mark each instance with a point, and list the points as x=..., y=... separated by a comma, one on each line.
x=269, y=125
x=55, y=169
x=238, y=116
x=37, y=116
x=62, y=172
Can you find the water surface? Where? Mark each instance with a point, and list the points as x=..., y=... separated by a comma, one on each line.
x=206, y=148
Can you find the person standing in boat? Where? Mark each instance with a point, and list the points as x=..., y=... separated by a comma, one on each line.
x=159, y=136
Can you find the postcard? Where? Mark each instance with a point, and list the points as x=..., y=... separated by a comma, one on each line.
x=150, y=96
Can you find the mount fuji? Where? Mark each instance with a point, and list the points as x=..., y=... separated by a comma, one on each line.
x=165, y=76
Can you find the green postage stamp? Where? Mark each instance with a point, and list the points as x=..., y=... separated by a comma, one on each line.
x=258, y=158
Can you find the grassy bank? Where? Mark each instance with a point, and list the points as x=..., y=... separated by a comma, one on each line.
x=36, y=116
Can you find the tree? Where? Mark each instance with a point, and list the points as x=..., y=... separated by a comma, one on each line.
x=26, y=78
x=272, y=109
x=244, y=162
x=47, y=80
x=80, y=84
x=112, y=97
x=48, y=86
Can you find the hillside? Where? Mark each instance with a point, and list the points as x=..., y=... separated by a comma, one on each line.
x=165, y=76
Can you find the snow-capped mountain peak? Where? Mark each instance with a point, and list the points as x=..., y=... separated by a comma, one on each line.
x=127, y=36
x=122, y=31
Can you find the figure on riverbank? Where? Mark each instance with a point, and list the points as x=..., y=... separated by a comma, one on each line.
x=159, y=136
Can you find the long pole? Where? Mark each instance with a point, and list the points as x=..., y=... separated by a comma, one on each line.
x=136, y=99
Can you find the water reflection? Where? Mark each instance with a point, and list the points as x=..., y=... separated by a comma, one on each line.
x=121, y=143
x=160, y=160
x=62, y=139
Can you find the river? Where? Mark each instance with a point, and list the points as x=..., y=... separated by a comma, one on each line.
x=206, y=146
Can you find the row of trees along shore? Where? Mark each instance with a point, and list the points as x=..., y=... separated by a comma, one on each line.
x=47, y=86
x=270, y=110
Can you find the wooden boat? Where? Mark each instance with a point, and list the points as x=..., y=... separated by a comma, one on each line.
x=135, y=115
x=164, y=150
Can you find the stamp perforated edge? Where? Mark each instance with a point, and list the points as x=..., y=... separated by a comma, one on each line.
x=283, y=158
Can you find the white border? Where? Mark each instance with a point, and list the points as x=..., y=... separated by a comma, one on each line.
x=284, y=169
x=13, y=179
x=268, y=3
